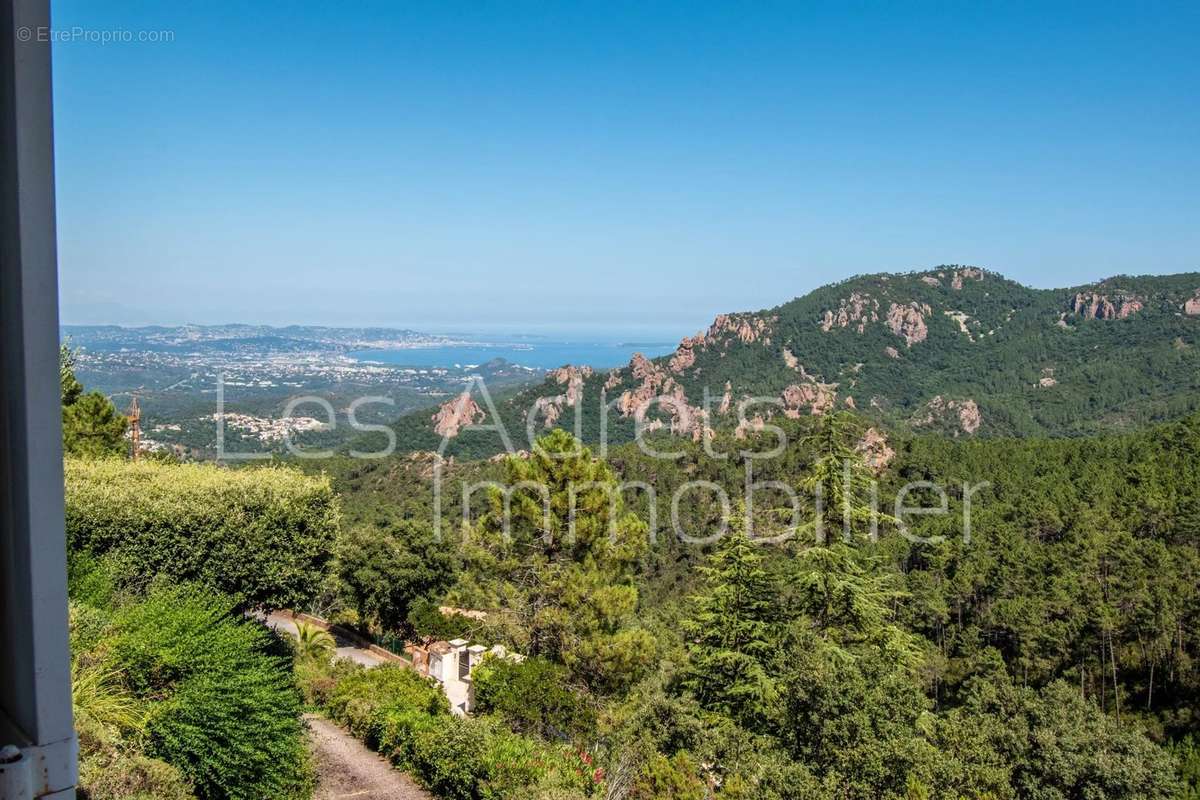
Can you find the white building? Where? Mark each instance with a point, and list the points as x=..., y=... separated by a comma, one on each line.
x=451, y=664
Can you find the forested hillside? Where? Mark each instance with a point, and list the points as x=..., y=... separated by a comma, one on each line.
x=682, y=635
x=958, y=350
x=1049, y=654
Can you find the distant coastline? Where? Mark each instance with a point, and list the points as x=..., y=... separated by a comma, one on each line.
x=537, y=355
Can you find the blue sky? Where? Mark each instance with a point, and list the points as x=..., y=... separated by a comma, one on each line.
x=605, y=165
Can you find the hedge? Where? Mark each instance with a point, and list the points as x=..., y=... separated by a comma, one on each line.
x=261, y=535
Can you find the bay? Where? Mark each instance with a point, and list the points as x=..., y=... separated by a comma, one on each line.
x=535, y=354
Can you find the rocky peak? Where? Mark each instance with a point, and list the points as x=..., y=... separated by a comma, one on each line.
x=573, y=377
x=685, y=354
x=746, y=328
x=551, y=407
x=643, y=368
x=571, y=373
x=657, y=382
x=965, y=274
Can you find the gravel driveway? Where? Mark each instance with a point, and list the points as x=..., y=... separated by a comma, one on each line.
x=346, y=768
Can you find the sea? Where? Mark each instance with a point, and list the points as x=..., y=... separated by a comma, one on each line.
x=534, y=352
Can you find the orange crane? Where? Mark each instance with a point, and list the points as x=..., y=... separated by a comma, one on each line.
x=135, y=428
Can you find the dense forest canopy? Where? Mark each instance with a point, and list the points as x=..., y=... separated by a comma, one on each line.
x=930, y=664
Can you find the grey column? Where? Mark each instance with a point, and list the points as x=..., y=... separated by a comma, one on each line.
x=35, y=679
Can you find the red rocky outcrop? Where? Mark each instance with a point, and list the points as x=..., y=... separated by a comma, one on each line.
x=1191, y=306
x=685, y=354
x=573, y=377
x=726, y=399
x=961, y=414
x=454, y=415
x=551, y=408
x=656, y=382
x=1092, y=305
x=908, y=321
x=858, y=310
x=967, y=273
x=808, y=398
x=876, y=451
x=746, y=329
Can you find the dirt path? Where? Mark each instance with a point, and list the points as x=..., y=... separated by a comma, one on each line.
x=347, y=769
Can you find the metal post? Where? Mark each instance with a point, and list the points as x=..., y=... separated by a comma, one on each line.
x=35, y=670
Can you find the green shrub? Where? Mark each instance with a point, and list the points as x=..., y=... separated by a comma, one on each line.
x=363, y=699
x=318, y=678
x=225, y=713
x=532, y=696
x=398, y=733
x=511, y=764
x=111, y=773
x=449, y=758
x=262, y=535
x=92, y=580
x=675, y=778
x=1186, y=752
x=480, y=759
x=87, y=626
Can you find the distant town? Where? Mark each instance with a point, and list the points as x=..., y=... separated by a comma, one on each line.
x=187, y=377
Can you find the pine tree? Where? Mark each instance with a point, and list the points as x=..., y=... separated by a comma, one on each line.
x=71, y=387
x=564, y=548
x=729, y=633
x=848, y=603
x=92, y=426
x=840, y=483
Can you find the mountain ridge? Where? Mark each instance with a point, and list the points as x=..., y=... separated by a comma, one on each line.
x=955, y=349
